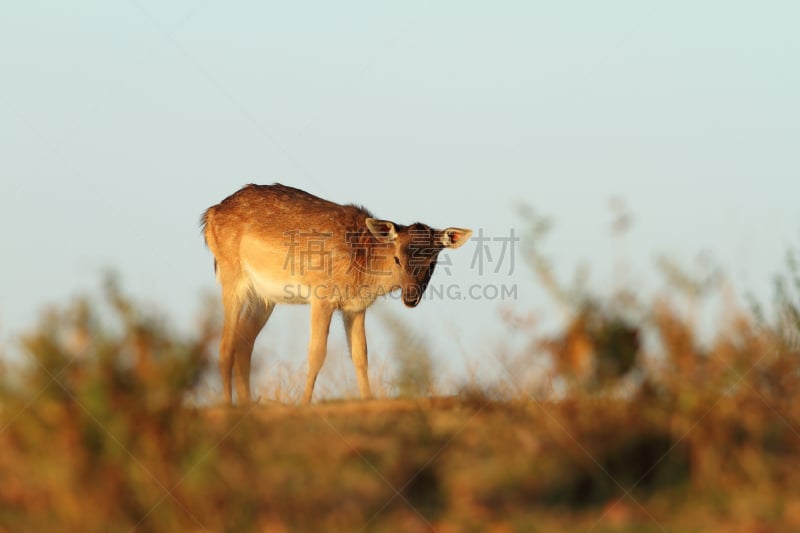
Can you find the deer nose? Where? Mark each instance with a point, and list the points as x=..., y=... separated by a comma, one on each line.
x=412, y=296
x=411, y=302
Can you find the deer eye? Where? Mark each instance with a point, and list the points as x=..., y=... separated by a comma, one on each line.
x=396, y=260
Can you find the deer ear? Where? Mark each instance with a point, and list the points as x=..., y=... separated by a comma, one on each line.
x=454, y=237
x=383, y=230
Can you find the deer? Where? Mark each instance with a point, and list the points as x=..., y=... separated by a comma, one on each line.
x=275, y=244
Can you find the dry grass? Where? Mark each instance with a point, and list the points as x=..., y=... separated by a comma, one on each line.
x=105, y=429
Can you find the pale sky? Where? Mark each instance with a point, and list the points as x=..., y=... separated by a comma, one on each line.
x=121, y=121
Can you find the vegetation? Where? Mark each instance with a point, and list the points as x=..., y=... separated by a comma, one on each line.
x=103, y=430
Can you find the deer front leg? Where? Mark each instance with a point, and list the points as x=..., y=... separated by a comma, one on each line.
x=357, y=340
x=321, y=313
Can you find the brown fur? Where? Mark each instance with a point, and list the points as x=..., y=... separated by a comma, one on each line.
x=277, y=244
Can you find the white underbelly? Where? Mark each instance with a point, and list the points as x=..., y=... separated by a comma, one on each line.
x=276, y=290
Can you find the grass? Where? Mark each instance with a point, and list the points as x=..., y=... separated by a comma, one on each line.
x=103, y=429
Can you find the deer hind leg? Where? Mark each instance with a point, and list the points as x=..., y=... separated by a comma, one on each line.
x=357, y=341
x=254, y=315
x=321, y=313
x=233, y=309
x=236, y=297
